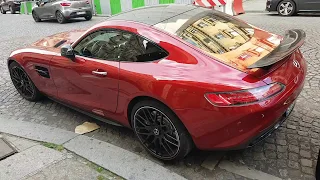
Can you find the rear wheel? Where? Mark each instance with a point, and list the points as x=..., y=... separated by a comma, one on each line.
x=12, y=10
x=35, y=16
x=23, y=83
x=60, y=17
x=88, y=17
x=160, y=131
x=2, y=10
x=286, y=8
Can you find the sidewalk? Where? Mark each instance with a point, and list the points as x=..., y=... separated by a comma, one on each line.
x=45, y=152
x=254, y=6
x=34, y=160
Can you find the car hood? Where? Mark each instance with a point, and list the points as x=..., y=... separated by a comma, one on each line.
x=56, y=41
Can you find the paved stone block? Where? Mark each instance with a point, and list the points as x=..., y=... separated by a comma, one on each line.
x=245, y=171
x=307, y=170
x=35, y=131
x=306, y=162
x=306, y=154
x=27, y=162
x=67, y=169
x=212, y=161
x=118, y=160
x=293, y=164
x=293, y=148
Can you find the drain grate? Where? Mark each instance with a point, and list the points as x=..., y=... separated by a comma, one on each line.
x=6, y=149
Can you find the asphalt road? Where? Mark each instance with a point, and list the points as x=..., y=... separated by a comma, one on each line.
x=291, y=152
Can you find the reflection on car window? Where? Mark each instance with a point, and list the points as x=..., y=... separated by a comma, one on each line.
x=215, y=34
x=119, y=46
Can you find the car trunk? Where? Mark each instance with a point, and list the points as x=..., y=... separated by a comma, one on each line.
x=284, y=63
x=78, y=3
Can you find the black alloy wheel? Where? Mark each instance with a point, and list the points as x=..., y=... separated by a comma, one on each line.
x=160, y=131
x=60, y=17
x=23, y=83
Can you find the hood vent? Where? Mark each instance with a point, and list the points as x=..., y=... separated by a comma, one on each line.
x=60, y=43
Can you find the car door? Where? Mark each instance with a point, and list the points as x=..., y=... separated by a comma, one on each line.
x=44, y=9
x=90, y=81
x=309, y=5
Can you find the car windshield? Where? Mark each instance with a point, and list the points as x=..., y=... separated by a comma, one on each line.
x=209, y=30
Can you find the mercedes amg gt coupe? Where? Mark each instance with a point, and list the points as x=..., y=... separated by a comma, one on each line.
x=180, y=76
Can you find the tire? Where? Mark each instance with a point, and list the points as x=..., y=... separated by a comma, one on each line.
x=23, y=83
x=160, y=131
x=88, y=17
x=35, y=17
x=2, y=10
x=286, y=8
x=12, y=10
x=60, y=17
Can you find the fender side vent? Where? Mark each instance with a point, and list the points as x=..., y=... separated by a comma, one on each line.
x=42, y=71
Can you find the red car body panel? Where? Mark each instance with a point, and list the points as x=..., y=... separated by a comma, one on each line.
x=180, y=81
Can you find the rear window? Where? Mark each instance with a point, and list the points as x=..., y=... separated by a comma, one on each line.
x=209, y=30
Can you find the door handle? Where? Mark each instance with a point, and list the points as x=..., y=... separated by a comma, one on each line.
x=97, y=72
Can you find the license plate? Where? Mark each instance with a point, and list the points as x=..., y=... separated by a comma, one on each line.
x=289, y=110
x=81, y=13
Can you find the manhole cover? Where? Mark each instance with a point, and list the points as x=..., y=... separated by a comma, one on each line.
x=5, y=149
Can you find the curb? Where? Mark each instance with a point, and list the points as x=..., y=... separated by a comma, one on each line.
x=115, y=159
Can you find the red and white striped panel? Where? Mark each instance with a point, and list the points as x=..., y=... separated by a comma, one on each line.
x=209, y=3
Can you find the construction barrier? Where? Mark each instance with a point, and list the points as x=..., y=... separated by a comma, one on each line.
x=26, y=7
x=111, y=7
x=237, y=7
x=231, y=7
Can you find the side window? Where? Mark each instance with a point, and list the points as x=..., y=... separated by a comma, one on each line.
x=101, y=45
x=138, y=49
x=119, y=45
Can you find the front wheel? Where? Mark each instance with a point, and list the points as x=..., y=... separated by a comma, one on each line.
x=286, y=8
x=160, y=131
x=23, y=83
x=35, y=17
x=60, y=18
x=2, y=10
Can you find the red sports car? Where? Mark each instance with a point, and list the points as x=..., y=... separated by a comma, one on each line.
x=179, y=75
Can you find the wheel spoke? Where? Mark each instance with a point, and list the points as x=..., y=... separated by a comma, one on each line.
x=166, y=144
x=142, y=123
x=171, y=137
x=144, y=133
x=170, y=142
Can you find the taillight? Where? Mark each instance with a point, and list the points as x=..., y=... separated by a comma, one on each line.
x=65, y=4
x=244, y=97
x=87, y=2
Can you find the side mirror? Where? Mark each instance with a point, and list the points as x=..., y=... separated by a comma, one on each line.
x=67, y=51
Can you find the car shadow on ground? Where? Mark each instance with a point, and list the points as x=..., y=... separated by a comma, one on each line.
x=297, y=15
x=53, y=21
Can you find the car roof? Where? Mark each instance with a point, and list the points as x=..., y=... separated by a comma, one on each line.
x=154, y=14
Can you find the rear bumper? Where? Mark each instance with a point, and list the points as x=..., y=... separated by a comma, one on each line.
x=227, y=128
x=271, y=5
x=75, y=12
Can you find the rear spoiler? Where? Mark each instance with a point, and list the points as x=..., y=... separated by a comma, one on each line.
x=292, y=40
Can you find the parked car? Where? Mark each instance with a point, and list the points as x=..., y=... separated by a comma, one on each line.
x=291, y=7
x=62, y=10
x=179, y=75
x=10, y=5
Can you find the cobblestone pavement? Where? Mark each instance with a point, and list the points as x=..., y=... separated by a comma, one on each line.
x=291, y=152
